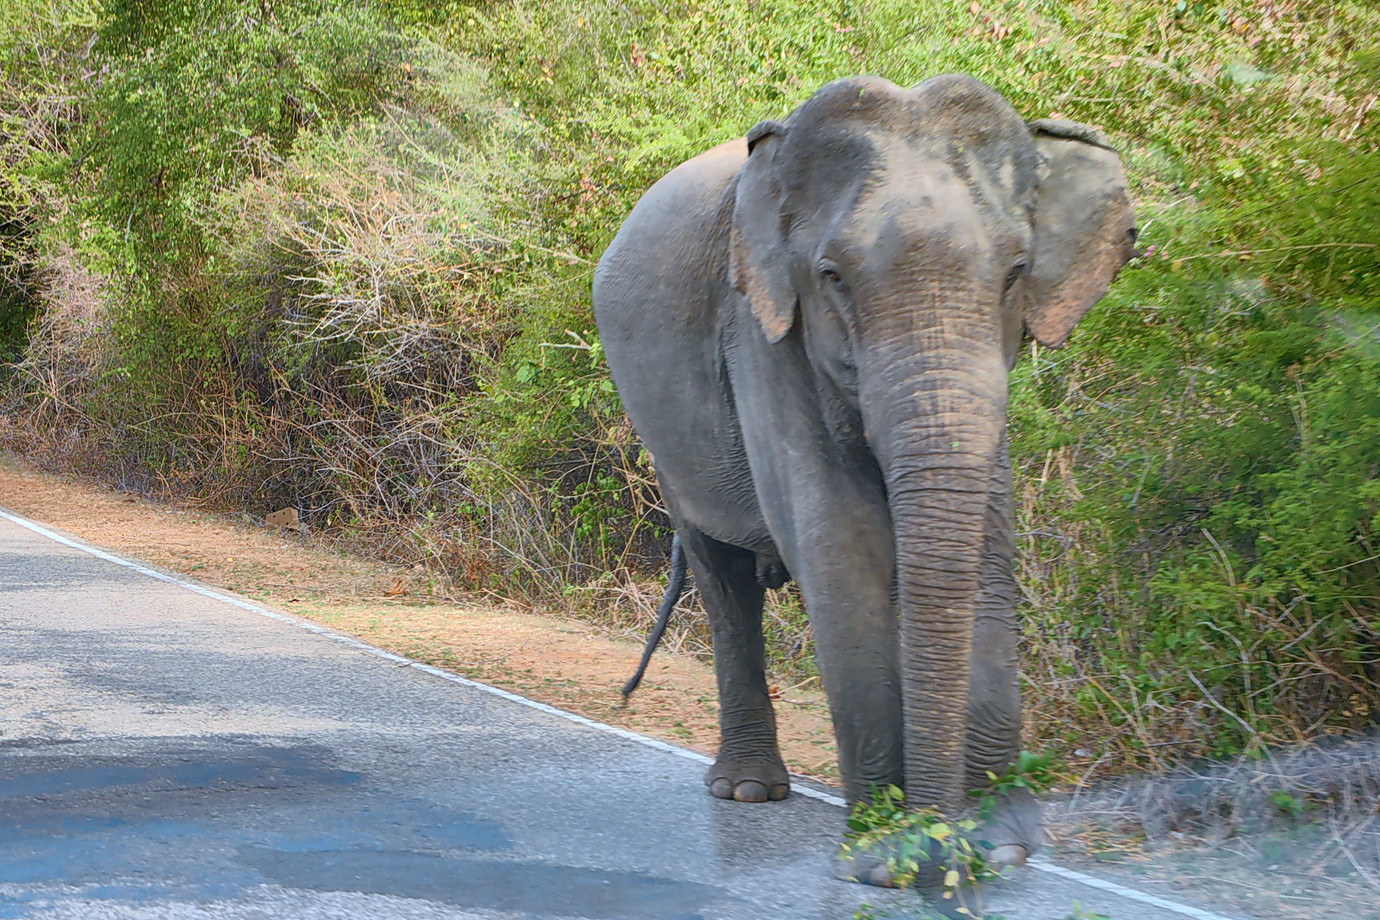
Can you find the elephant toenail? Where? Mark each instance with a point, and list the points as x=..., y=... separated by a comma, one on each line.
x=780, y=791
x=721, y=788
x=1012, y=854
x=749, y=790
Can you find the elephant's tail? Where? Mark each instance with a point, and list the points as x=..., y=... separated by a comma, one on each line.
x=675, y=586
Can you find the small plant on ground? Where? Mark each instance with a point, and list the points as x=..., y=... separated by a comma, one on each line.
x=923, y=841
x=1080, y=913
x=919, y=841
x=1030, y=771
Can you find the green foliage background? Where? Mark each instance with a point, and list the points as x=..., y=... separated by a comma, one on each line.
x=337, y=254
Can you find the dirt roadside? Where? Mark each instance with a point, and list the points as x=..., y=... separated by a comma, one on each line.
x=562, y=662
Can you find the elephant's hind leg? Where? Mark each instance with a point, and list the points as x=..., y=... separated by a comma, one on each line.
x=749, y=766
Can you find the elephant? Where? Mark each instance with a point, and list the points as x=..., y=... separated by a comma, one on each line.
x=811, y=329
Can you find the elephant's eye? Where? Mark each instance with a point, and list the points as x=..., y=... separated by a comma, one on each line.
x=1013, y=276
x=831, y=276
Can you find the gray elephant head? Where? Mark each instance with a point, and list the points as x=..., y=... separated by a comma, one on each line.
x=910, y=237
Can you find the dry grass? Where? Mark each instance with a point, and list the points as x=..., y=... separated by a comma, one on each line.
x=44, y=413
x=1291, y=834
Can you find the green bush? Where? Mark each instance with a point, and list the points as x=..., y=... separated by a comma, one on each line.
x=41, y=51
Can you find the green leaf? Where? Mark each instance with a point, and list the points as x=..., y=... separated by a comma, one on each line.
x=1245, y=74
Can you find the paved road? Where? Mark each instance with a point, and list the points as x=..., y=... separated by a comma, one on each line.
x=166, y=753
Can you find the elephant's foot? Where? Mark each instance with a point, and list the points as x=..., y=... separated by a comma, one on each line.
x=873, y=866
x=883, y=864
x=1009, y=834
x=748, y=779
x=1013, y=827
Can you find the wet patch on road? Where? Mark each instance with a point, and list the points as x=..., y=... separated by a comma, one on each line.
x=487, y=884
x=249, y=764
x=209, y=819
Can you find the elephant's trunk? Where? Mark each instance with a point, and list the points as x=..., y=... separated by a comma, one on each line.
x=941, y=409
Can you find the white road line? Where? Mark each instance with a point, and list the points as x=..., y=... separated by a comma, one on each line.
x=797, y=788
x=1130, y=894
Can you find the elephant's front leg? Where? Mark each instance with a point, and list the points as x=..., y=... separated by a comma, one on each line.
x=749, y=766
x=845, y=567
x=994, y=699
x=844, y=562
x=825, y=505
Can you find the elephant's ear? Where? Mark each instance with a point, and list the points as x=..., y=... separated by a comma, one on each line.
x=1084, y=227
x=757, y=260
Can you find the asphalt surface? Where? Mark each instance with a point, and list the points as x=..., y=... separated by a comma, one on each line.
x=170, y=751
